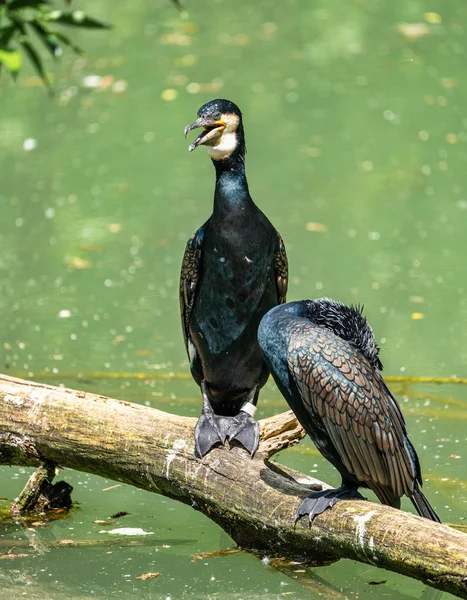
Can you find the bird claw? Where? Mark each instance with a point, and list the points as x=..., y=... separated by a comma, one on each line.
x=317, y=502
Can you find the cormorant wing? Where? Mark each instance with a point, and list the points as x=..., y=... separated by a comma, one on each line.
x=349, y=402
x=189, y=277
x=281, y=270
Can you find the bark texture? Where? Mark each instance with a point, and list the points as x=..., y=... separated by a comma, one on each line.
x=254, y=501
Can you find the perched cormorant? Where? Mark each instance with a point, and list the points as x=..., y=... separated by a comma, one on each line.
x=234, y=270
x=324, y=359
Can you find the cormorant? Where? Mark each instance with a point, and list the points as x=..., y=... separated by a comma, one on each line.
x=234, y=270
x=324, y=359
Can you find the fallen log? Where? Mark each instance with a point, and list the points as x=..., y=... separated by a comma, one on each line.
x=254, y=501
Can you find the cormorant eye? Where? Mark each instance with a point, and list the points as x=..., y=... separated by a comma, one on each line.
x=217, y=116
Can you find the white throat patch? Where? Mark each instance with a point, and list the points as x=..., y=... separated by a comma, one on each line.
x=228, y=141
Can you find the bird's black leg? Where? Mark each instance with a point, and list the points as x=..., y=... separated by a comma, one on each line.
x=317, y=502
x=211, y=429
x=244, y=429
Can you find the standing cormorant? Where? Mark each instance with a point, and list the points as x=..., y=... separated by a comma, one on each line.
x=234, y=270
x=324, y=359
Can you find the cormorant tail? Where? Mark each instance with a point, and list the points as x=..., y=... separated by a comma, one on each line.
x=422, y=506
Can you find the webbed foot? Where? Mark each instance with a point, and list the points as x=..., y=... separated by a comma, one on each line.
x=245, y=430
x=317, y=502
x=211, y=429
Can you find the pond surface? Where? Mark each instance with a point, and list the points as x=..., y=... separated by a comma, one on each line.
x=356, y=132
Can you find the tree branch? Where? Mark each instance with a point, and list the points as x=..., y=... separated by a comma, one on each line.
x=254, y=501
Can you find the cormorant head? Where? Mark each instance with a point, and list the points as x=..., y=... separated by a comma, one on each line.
x=222, y=129
x=348, y=323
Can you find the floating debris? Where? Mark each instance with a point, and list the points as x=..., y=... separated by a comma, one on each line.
x=29, y=144
x=169, y=94
x=129, y=531
x=433, y=18
x=112, y=487
x=75, y=262
x=92, y=81
x=145, y=576
x=413, y=31
x=316, y=227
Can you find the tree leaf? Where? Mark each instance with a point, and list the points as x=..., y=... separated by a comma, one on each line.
x=46, y=38
x=17, y=4
x=36, y=61
x=11, y=59
x=5, y=36
x=76, y=18
x=66, y=41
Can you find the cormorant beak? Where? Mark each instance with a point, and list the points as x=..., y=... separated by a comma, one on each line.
x=212, y=131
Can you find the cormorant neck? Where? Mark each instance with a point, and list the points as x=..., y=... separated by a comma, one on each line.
x=231, y=183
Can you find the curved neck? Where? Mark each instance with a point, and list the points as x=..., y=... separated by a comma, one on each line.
x=231, y=184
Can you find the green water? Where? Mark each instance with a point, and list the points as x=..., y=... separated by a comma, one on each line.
x=352, y=129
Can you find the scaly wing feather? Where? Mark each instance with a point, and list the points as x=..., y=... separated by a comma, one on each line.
x=189, y=278
x=361, y=417
x=281, y=271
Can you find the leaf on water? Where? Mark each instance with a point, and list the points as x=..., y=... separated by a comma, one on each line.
x=433, y=18
x=76, y=18
x=12, y=556
x=118, y=515
x=417, y=316
x=66, y=542
x=413, y=31
x=169, y=94
x=454, y=456
x=145, y=576
x=130, y=531
x=91, y=247
x=11, y=59
x=142, y=352
x=176, y=39
x=78, y=263
x=226, y=552
x=316, y=227
x=105, y=523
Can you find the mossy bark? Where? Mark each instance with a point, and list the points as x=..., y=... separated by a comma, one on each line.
x=254, y=501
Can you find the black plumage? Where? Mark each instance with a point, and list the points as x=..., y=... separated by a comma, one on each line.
x=324, y=359
x=234, y=270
